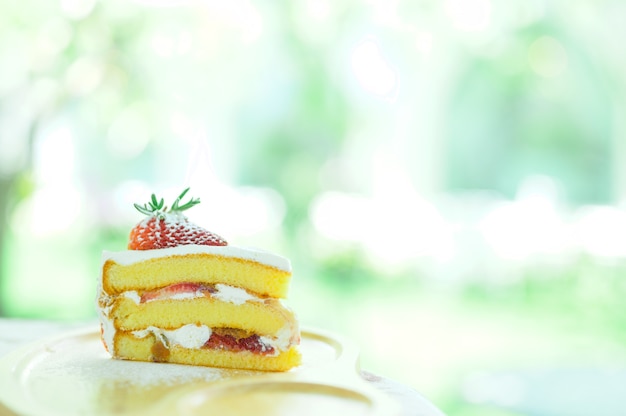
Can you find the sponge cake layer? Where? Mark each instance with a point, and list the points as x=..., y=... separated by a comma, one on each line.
x=265, y=317
x=258, y=272
x=149, y=348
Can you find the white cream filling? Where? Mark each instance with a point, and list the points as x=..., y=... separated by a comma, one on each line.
x=225, y=293
x=232, y=294
x=283, y=339
x=108, y=329
x=132, y=295
x=190, y=336
x=193, y=336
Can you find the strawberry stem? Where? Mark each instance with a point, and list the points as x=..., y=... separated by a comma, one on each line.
x=157, y=207
x=157, y=204
x=191, y=203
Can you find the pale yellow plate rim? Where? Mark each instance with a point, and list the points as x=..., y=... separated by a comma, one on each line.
x=336, y=376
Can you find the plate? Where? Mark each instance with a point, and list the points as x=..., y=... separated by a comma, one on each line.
x=72, y=374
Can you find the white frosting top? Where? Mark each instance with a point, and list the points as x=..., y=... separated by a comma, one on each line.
x=128, y=257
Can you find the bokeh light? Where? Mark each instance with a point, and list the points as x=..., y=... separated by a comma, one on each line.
x=447, y=177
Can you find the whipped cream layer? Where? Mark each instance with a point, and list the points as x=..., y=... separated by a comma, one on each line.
x=223, y=292
x=187, y=336
x=128, y=257
x=194, y=336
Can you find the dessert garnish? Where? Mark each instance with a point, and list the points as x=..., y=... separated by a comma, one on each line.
x=169, y=228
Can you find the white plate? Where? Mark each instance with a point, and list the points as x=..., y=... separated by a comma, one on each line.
x=72, y=374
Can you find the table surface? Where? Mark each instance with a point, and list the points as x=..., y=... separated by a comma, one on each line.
x=15, y=333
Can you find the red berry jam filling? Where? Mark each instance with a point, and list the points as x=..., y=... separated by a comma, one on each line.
x=231, y=342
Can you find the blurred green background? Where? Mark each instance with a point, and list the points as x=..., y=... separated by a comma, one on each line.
x=447, y=177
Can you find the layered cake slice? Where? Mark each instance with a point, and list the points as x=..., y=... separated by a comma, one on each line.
x=181, y=294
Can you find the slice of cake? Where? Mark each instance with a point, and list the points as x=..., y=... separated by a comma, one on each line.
x=181, y=294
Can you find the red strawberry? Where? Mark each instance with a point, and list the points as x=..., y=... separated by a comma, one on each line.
x=171, y=228
x=223, y=342
x=229, y=342
x=253, y=343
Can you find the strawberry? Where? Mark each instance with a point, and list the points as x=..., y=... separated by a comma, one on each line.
x=253, y=343
x=171, y=228
x=223, y=342
x=230, y=342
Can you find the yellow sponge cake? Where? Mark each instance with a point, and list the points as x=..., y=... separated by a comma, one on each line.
x=181, y=294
